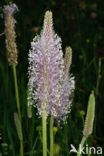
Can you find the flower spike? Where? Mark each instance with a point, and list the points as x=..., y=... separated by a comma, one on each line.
x=50, y=90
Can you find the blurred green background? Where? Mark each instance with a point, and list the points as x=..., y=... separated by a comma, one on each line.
x=80, y=24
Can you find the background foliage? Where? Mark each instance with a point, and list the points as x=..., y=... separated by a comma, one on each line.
x=80, y=23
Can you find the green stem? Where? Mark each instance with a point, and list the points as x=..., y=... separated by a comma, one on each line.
x=44, y=133
x=16, y=90
x=18, y=105
x=21, y=148
x=81, y=145
x=51, y=136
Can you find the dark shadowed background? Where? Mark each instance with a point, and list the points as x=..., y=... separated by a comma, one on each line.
x=80, y=24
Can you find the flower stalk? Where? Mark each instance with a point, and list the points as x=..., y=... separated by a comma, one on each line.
x=16, y=90
x=81, y=145
x=50, y=87
x=89, y=121
x=44, y=133
x=12, y=54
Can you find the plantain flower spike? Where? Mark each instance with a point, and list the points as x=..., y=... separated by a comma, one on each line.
x=50, y=86
x=89, y=121
x=9, y=11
